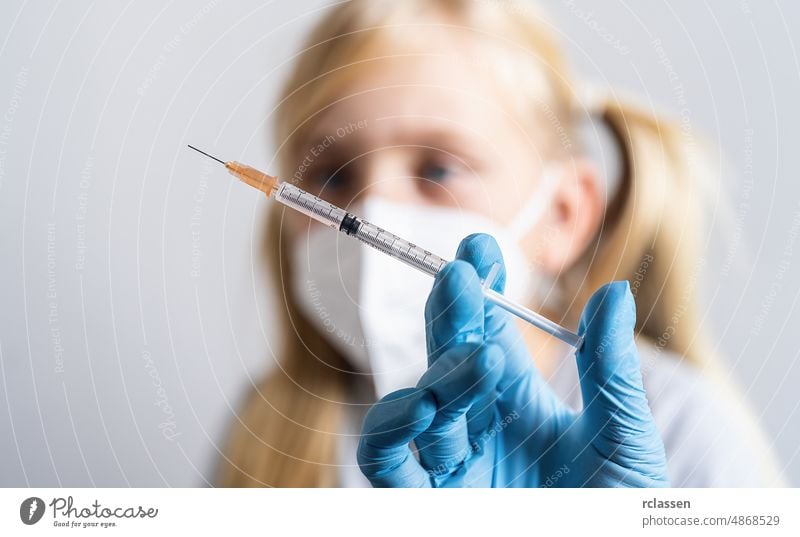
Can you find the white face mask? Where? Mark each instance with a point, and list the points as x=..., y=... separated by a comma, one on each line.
x=370, y=307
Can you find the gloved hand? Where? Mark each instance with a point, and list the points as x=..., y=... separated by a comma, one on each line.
x=481, y=415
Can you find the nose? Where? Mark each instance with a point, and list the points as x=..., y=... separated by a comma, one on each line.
x=387, y=173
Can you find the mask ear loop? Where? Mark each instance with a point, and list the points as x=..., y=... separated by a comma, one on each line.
x=532, y=211
x=529, y=216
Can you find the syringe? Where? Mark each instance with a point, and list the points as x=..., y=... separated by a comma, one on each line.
x=380, y=239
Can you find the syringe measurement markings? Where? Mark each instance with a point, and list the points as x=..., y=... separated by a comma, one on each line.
x=402, y=253
x=424, y=258
x=314, y=205
x=371, y=234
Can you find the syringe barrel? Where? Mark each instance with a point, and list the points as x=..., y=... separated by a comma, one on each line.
x=310, y=205
x=403, y=250
x=368, y=233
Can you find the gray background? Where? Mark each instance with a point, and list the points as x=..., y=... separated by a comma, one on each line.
x=133, y=308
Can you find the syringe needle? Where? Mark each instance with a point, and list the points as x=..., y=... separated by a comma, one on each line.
x=246, y=174
x=206, y=154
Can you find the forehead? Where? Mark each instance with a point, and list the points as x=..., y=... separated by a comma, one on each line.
x=414, y=94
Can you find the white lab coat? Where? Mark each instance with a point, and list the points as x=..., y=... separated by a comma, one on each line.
x=709, y=436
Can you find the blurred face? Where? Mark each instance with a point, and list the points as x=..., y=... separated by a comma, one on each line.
x=426, y=130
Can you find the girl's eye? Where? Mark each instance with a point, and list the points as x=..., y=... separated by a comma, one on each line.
x=438, y=173
x=331, y=177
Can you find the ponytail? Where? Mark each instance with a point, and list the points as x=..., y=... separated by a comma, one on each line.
x=287, y=431
x=652, y=232
x=652, y=236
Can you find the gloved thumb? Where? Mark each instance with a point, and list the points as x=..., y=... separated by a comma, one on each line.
x=616, y=410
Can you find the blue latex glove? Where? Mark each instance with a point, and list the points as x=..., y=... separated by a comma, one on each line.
x=481, y=415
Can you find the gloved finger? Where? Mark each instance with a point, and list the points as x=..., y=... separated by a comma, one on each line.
x=384, y=454
x=454, y=309
x=482, y=252
x=616, y=410
x=521, y=392
x=460, y=377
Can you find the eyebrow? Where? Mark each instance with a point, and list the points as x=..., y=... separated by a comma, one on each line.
x=436, y=136
x=431, y=136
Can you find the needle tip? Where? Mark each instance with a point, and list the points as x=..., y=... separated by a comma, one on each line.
x=206, y=154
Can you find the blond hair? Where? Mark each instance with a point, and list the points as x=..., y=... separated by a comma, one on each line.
x=286, y=434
